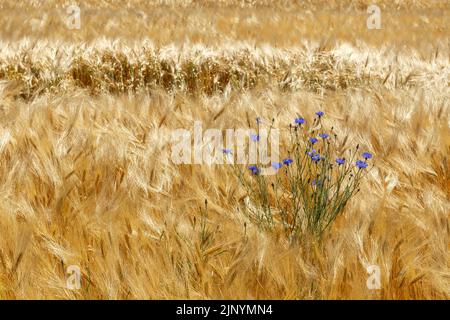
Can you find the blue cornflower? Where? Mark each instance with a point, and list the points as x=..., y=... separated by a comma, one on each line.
x=340, y=161
x=323, y=135
x=254, y=137
x=320, y=113
x=316, y=158
x=254, y=169
x=227, y=151
x=287, y=161
x=299, y=121
x=361, y=164
x=312, y=152
x=367, y=155
x=313, y=140
x=277, y=165
x=316, y=182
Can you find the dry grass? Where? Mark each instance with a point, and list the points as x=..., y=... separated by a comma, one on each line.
x=85, y=123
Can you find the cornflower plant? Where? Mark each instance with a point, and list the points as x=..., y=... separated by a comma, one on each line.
x=312, y=184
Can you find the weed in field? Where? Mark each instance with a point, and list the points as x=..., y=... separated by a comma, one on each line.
x=311, y=187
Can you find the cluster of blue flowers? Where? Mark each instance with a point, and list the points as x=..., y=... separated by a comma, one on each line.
x=362, y=164
x=313, y=154
x=315, y=157
x=312, y=193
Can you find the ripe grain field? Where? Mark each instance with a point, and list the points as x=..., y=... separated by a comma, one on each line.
x=86, y=118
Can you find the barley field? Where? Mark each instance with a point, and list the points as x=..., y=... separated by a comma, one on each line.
x=86, y=117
